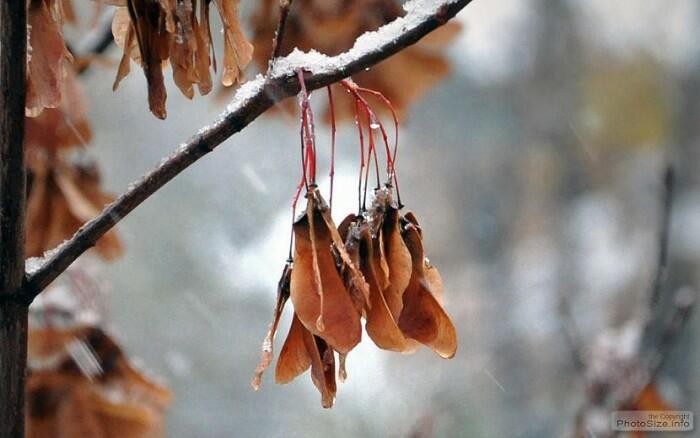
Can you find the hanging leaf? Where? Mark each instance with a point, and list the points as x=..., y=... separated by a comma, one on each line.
x=422, y=317
x=320, y=298
x=46, y=56
x=62, y=127
x=153, y=32
x=268, y=343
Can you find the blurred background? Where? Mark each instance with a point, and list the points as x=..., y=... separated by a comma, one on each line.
x=536, y=170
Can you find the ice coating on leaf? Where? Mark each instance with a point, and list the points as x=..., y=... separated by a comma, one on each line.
x=369, y=42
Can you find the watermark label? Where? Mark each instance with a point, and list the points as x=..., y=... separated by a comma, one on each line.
x=652, y=421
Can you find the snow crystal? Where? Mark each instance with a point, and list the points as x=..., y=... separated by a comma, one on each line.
x=33, y=264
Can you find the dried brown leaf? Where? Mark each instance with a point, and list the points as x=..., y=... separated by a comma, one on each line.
x=381, y=325
x=322, y=368
x=47, y=54
x=154, y=32
x=268, y=343
x=293, y=359
x=62, y=127
x=62, y=198
x=398, y=261
x=63, y=402
x=320, y=298
x=422, y=317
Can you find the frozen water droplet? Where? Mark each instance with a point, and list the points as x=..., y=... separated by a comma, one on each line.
x=374, y=125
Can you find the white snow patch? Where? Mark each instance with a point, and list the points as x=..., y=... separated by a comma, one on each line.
x=246, y=92
x=33, y=264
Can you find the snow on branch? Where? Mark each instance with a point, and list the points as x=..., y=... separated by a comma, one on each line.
x=252, y=99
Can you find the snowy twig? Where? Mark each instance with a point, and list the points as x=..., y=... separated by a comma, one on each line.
x=664, y=227
x=253, y=99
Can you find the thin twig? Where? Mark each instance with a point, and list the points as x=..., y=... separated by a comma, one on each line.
x=664, y=231
x=572, y=337
x=285, y=6
x=683, y=303
x=240, y=114
x=95, y=42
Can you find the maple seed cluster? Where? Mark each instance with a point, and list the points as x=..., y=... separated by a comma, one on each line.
x=371, y=266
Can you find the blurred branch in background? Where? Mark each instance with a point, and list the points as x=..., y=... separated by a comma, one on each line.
x=94, y=43
x=619, y=378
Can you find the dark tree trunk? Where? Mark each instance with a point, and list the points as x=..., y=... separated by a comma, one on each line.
x=13, y=312
x=13, y=361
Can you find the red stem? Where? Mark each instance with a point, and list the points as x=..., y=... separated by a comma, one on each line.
x=370, y=151
x=358, y=122
x=332, y=172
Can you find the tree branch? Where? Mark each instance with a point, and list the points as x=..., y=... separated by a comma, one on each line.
x=251, y=100
x=13, y=311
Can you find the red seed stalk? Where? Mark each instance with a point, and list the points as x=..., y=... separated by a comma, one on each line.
x=332, y=171
x=392, y=110
x=372, y=120
x=358, y=122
